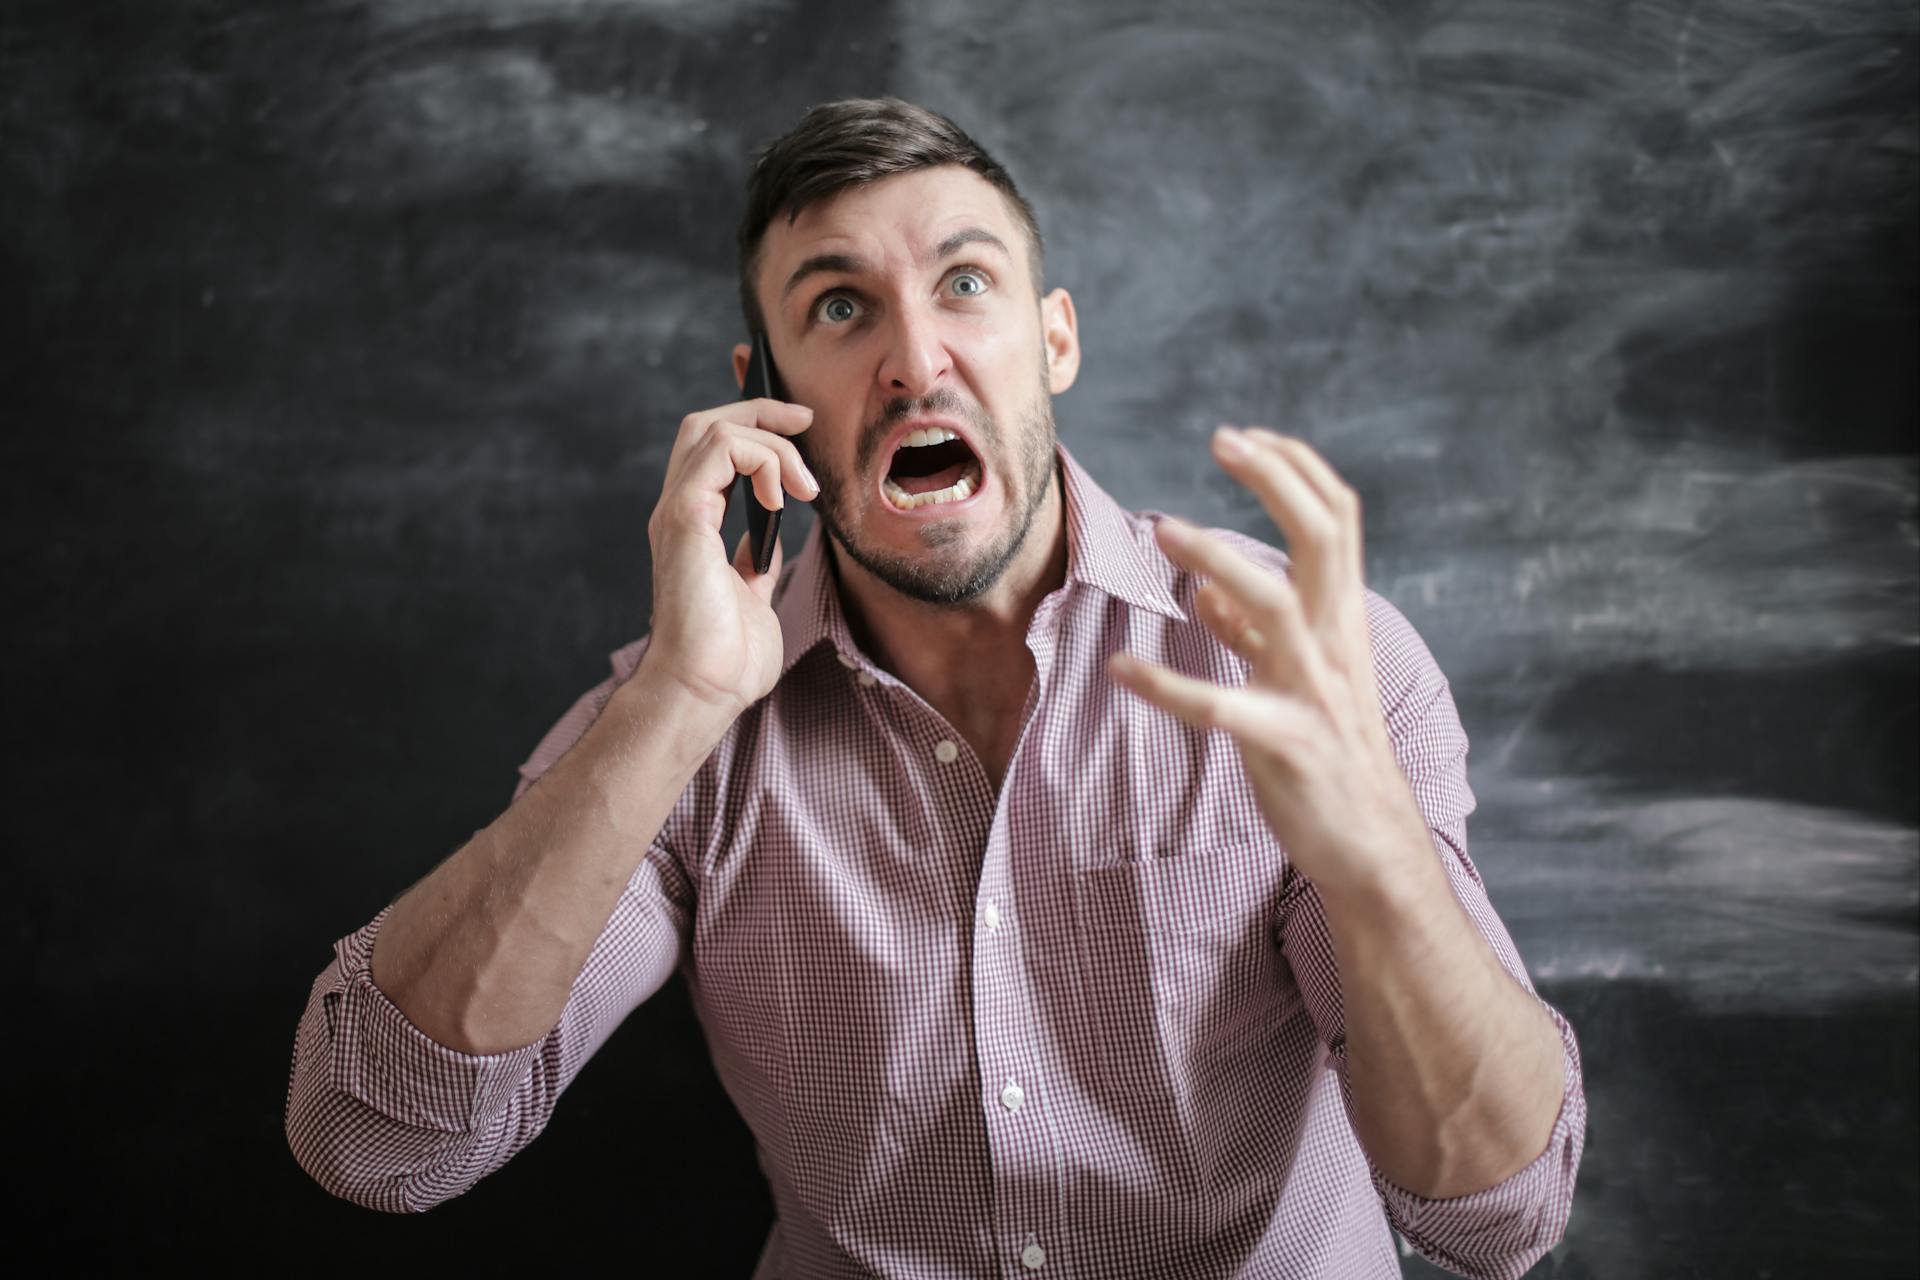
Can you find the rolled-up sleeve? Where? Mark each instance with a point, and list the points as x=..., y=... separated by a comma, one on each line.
x=381, y=1114
x=1499, y=1232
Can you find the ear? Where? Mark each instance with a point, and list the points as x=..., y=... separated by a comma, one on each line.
x=742, y=353
x=1060, y=336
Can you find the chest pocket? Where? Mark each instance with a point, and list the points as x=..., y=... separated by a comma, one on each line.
x=1178, y=967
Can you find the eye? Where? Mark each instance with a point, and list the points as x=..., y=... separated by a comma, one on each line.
x=969, y=283
x=836, y=308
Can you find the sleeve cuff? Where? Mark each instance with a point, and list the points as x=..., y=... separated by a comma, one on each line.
x=1527, y=1211
x=387, y=1063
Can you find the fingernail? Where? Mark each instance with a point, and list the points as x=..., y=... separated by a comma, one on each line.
x=812, y=484
x=1230, y=442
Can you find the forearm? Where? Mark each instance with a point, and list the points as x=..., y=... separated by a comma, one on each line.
x=482, y=954
x=1457, y=1074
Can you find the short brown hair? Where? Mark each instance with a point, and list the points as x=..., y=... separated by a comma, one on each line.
x=851, y=142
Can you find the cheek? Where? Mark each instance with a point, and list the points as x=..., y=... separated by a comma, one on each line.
x=829, y=453
x=995, y=341
x=1002, y=365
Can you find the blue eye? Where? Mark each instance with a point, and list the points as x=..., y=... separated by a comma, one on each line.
x=837, y=309
x=977, y=282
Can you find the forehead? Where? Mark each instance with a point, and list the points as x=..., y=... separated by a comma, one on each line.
x=907, y=213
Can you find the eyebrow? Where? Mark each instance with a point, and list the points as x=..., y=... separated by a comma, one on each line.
x=966, y=236
x=848, y=264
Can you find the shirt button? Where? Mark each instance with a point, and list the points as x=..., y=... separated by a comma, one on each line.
x=1012, y=1096
x=1033, y=1257
x=846, y=659
x=867, y=679
x=945, y=752
x=993, y=915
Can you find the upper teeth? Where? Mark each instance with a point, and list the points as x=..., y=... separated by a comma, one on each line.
x=932, y=435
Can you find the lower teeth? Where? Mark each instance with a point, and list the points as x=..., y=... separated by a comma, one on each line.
x=961, y=488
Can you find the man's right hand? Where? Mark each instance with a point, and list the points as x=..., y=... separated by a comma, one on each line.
x=714, y=633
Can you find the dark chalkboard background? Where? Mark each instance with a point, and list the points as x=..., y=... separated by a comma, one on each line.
x=344, y=342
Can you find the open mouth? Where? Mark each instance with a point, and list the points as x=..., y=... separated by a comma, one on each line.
x=931, y=468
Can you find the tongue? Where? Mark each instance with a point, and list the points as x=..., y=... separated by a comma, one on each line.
x=941, y=479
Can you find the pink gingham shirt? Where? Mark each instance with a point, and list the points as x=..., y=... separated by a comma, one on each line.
x=1087, y=1027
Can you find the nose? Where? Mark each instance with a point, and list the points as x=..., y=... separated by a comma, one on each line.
x=916, y=358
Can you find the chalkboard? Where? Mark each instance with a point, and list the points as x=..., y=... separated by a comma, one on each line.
x=345, y=348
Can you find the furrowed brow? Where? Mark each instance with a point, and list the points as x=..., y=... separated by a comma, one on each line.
x=848, y=264
x=820, y=264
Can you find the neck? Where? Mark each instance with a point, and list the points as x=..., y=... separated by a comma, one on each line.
x=972, y=655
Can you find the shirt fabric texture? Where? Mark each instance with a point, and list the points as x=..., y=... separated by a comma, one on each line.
x=1089, y=1026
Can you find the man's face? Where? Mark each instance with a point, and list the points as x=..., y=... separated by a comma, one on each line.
x=906, y=305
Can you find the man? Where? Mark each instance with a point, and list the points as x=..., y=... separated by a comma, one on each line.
x=1063, y=890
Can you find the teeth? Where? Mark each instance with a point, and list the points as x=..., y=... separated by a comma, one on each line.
x=959, y=489
x=931, y=435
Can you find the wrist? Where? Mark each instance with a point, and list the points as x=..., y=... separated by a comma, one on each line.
x=688, y=726
x=1389, y=879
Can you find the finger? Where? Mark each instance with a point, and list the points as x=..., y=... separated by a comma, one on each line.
x=1285, y=647
x=1231, y=623
x=773, y=416
x=1312, y=530
x=769, y=415
x=725, y=457
x=1328, y=486
x=698, y=498
x=1340, y=497
x=793, y=474
x=1250, y=715
x=783, y=416
x=1263, y=596
x=797, y=477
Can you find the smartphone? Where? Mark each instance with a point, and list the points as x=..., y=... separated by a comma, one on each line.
x=763, y=525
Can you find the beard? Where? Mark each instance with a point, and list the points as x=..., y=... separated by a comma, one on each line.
x=961, y=576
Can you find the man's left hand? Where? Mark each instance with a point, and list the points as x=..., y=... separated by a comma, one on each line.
x=1309, y=723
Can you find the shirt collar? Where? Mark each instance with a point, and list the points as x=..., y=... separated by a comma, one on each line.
x=1107, y=551
x=1112, y=550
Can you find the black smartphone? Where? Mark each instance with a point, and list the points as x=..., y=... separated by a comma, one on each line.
x=763, y=524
